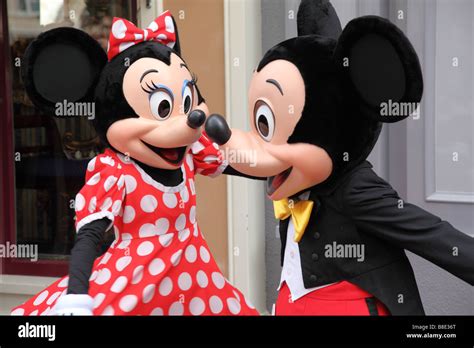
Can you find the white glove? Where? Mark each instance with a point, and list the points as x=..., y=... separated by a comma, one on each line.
x=73, y=304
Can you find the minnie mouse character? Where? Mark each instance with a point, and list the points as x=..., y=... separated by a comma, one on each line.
x=150, y=113
x=315, y=105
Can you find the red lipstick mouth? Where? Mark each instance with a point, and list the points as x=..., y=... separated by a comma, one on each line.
x=173, y=155
x=274, y=182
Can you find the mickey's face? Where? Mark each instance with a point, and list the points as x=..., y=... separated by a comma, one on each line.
x=163, y=96
x=276, y=102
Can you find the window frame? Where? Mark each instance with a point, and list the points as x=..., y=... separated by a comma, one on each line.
x=50, y=268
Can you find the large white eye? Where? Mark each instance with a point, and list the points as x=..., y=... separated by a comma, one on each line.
x=187, y=98
x=264, y=120
x=161, y=104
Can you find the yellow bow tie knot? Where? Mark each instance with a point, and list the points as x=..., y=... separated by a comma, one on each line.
x=299, y=211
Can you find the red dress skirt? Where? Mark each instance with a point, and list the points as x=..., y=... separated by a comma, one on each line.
x=159, y=263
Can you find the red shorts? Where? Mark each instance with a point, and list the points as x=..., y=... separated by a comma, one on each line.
x=342, y=298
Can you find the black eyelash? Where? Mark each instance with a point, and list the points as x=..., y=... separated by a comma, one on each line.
x=194, y=79
x=150, y=89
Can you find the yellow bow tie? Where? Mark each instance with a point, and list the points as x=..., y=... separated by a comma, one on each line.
x=299, y=211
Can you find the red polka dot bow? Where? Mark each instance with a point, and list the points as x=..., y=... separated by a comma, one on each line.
x=125, y=34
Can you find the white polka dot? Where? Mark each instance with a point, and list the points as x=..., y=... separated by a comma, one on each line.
x=119, y=284
x=128, y=303
x=119, y=29
x=80, y=202
x=162, y=225
x=162, y=37
x=130, y=183
x=193, y=188
x=138, y=37
x=180, y=222
x=110, y=182
x=98, y=299
x=157, y=311
x=123, y=262
x=202, y=279
x=218, y=280
x=103, y=277
x=145, y=248
x=124, y=244
x=215, y=304
x=197, y=306
x=192, y=214
x=191, y=253
x=234, y=305
x=91, y=164
x=153, y=26
x=165, y=240
x=93, y=276
x=107, y=204
x=137, y=274
x=156, y=266
x=184, y=234
x=148, y=230
x=184, y=281
x=196, y=231
x=176, y=257
x=169, y=24
x=184, y=193
x=64, y=282
x=166, y=286
x=190, y=162
x=105, y=258
x=18, y=311
x=176, y=308
x=94, y=180
x=35, y=312
x=236, y=294
x=107, y=160
x=124, y=45
x=148, y=293
x=197, y=147
x=128, y=214
x=53, y=298
x=116, y=207
x=93, y=204
x=205, y=256
x=148, y=204
x=108, y=311
x=41, y=297
x=170, y=200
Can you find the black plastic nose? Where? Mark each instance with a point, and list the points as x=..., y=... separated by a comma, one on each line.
x=196, y=119
x=217, y=129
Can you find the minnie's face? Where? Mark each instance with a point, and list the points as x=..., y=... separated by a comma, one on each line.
x=162, y=96
x=276, y=102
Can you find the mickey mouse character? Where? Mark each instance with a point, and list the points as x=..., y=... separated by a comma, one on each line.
x=150, y=114
x=315, y=108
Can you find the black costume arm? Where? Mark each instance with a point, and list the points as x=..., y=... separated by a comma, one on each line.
x=377, y=209
x=84, y=254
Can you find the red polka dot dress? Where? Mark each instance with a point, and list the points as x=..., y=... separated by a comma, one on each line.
x=159, y=263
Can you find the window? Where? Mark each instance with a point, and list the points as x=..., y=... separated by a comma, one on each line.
x=50, y=154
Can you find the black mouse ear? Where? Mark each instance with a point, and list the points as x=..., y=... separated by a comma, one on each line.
x=380, y=69
x=177, y=45
x=318, y=17
x=62, y=64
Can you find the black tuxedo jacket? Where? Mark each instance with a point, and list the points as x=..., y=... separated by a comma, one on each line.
x=363, y=209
